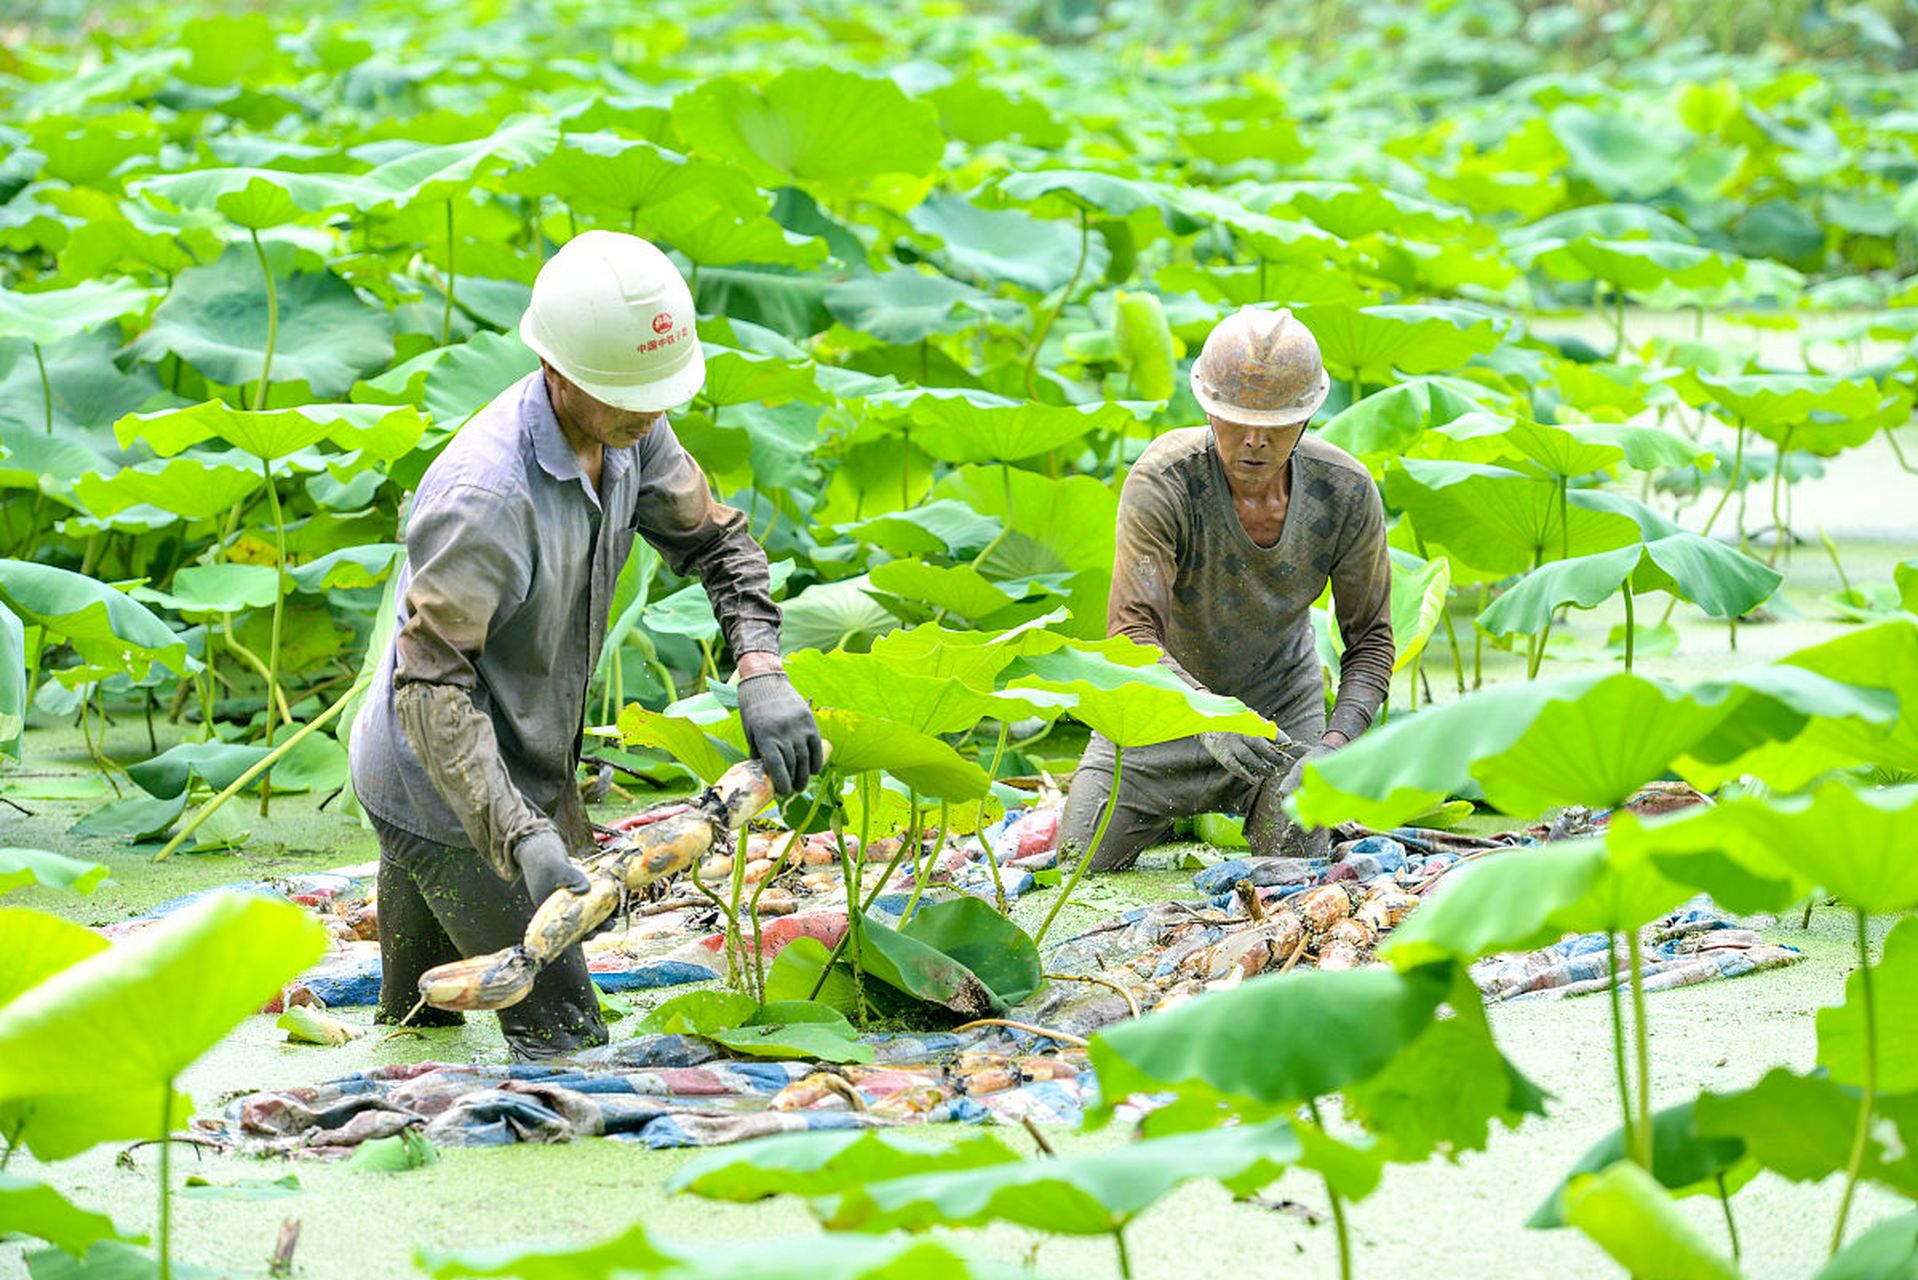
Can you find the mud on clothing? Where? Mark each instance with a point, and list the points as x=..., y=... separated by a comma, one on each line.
x=1234, y=618
x=511, y=562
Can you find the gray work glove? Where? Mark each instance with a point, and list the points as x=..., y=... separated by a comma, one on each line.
x=1318, y=751
x=780, y=730
x=1246, y=758
x=546, y=868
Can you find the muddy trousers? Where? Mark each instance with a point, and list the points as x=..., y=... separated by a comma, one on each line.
x=437, y=904
x=1180, y=779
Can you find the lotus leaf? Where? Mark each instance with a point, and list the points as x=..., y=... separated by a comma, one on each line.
x=1500, y=520
x=1841, y=1028
x=1133, y=700
x=35, y=1209
x=860, y=742
x=1800, y=1127
x=1683, y=1162
x=815, y=127
x=823, y=1163
x=633, y=1253
x=1004, y=246
x=943, y=527
x=47, y=316
x=1625, y=1211
x=1387, y=423
x=110, y=631
x=13, y=682
x=1368, y=343
x=215, y=319
x=908, y=306
x=1091, y=1193
x=1886, y=1250
x=976, y=426
x=1718, y=579
x=383, y=431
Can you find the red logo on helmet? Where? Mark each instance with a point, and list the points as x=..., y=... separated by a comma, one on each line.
x=662, y=322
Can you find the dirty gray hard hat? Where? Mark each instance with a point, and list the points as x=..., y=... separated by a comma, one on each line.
x=1260, y=368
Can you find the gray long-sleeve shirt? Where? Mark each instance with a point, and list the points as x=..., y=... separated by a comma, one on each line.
x=511, y=561
x=1231, y=615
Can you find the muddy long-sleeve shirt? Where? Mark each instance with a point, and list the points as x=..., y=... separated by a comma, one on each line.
x=511, y=561
x=1232, y=616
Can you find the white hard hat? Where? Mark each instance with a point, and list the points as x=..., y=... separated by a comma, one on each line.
x=613, y=314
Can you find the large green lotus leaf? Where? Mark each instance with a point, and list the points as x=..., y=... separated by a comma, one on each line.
x=945, y=527
x=1604, y=222
x=1640, y=266
x=215, y=319
x=1905, y=577
x=1270, y=1043
x=20, y=867
x=719, y=241
x=970, y=931
x=86, y=1050
x=833, y=615
x=1418, y=605
x=89, y=392
x=685, y=740
x=215, y=764
x=1353, y=209
x=1531, y=897
x=689, y=610
x=815, y=127
x=975, y=657
x=787, y=301
x=953, y=589
x=29, y=1208
x=1683, y=1162
x=624, y=174
x=1767, y=400
x=1621, y=156
x=1057, y=192
x=926, y=973
x=829, y=1161
x=141, y=1011
x=48, y=316
x=1133, y=704
x=895, y=690
x=1004, y=246
x=380, y=430
x=836, y=1257
x=1883, y=655
x=735, y=377
x=349, y=567
x=13, y=682
x=960, y=425
x=1499, y=520
x=204, y=589
x=1074, y=518
x=1588, y=740
x=861, y=741
x=904, y=307
x=1575, y=449
x=1718, y=579
x=254, y=198
x=1370, y=342
x=453, y=382
x=196, y=486
x=1801, y=1127
x=781, y=1029
x=138, y=817
x=440, y=172
x=1841, y=1029
x=1627, y=1213
x=1387, y=423
x=110, y=631
x=1088, y=1193
x=1887, y=1250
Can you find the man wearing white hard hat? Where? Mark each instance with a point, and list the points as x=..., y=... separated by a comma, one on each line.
x=1227, y=534
x=465, y=754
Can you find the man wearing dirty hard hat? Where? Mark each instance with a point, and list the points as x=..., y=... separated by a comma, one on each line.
x=1227, y=534
x=465, y=754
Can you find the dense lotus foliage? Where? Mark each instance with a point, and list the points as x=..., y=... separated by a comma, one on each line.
x=952, y=264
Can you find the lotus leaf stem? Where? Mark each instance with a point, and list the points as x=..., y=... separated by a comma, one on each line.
x=165, y=1229
x=279, y=606
x=262, y=765
x=272, y=321
x=752, y=907
x=1564, y=518
x=1891, y=438
x=46, y=387
x=1642, y=1038
x=1052, y=313
x=1005, y=474
x=253, y=660
x=1868, y=1100
x=992, y=855
x=446, y=310
x=1125, y=1259
x=1629, y=1127
x=1098, y=837
x=1731, y=1223
x=921, y=874
x=1779, y=531
x=1338, y=1207
x=1631, y=623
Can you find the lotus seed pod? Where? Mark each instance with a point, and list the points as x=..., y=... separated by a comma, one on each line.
x=566, y=917
x=495, y=981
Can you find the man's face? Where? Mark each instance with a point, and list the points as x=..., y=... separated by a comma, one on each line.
x=1253, y=455
x=595, y=419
